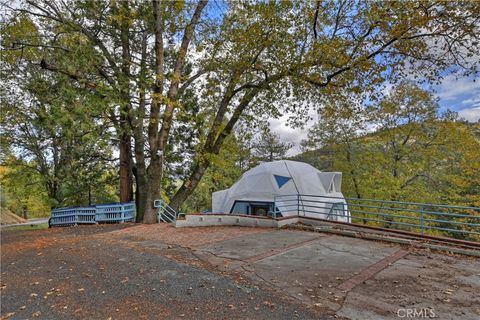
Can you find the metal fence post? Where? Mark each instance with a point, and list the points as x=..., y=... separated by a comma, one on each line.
x=422, y=218
x=274, y=207
x=298, y=204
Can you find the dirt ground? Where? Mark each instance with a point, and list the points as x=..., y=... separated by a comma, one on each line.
x=159, y=272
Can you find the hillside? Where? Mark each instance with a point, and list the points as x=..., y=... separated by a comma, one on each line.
x=8, y=217
x=438, y=163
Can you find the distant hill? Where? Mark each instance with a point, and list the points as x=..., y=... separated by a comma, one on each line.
x=8, y=217
x=323, y=158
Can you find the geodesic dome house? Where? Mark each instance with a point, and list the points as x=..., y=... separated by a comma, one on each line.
x=287, y=188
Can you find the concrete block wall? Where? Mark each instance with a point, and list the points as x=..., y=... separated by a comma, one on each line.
x=206, y=220
x=225, y=220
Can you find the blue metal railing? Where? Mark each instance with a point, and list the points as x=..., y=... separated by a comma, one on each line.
x=72, y=216
x=115, y=212
x=107, y=213
x=461, y=222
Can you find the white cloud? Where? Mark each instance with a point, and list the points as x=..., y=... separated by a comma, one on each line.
x=461, y=95
x=474, y=101
x=470, y=114
x=288, y=134
x=292, y=135
x=452, y=88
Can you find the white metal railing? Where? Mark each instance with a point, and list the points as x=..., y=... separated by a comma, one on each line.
x=166, y=214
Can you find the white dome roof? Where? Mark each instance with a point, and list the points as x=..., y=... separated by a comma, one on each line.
x=270, y=179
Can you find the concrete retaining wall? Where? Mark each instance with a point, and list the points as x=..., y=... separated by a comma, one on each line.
x=205, y=220
x=232, y=220
x=224, y=220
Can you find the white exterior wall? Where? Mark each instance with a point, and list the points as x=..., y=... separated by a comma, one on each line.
x=259, y=184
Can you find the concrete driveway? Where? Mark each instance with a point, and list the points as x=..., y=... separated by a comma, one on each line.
x=347, y=277
x=157, y=271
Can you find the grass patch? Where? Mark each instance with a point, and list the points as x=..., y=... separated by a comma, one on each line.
x=27, y=227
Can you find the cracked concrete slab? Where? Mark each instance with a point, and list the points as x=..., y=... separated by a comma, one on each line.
x=325, y=259
x=310, y=268
x=252, y=245
x=313, y=271
x=446, y=285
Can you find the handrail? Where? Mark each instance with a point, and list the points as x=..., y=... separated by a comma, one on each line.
x=455, y=221
x=166, y=213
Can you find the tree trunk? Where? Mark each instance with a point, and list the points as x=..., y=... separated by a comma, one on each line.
x=89, y=195
x=152, y=193
x=158, y=139
x=126, y=160
x=189, y=185
x=139, y=141
x=148, y=190
x=352, y=170
x=126, y=185
x=211, y=146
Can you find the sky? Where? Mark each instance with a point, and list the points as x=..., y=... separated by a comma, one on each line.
x=461, y=95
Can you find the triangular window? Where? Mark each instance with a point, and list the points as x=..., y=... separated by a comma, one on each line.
x=281, y=180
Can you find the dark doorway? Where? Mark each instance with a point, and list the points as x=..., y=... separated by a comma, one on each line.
x=260, y=210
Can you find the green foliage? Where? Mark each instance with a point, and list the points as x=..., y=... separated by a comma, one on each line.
x=256, y=60
x=23, y=189
x=269, y=147
x=413, y=155
x=56, y=144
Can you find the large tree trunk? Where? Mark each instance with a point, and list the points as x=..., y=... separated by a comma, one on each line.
x=126, y=158
x=189, y=185
x=140, y=166
x=154, y=174
x=148, y=190
x=158, y=139
x=126, y=176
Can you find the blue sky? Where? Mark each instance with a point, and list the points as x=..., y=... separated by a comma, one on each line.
x=461, y=95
